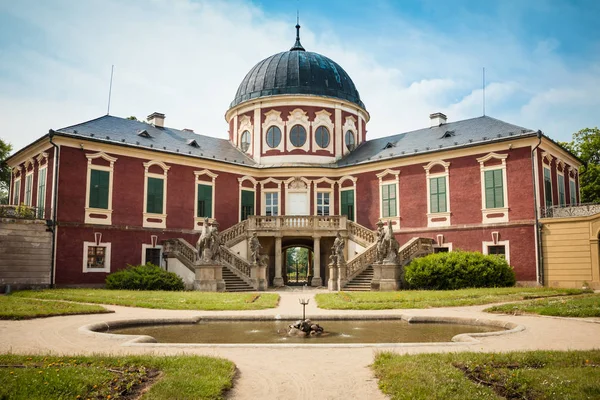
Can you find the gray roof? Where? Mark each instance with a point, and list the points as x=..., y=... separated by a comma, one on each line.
x=131, y=133
x=468, y=132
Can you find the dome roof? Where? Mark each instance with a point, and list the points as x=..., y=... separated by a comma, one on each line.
x=297, y=72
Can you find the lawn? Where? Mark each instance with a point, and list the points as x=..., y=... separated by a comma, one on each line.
x=587, y=305
x=12, y=307
x=433, y=298
x=160, y=299
x=181, y=377
x=516, y=375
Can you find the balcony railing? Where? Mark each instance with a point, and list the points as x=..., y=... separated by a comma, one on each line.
x=21, y=212
x=580, y=210
x=297, y=222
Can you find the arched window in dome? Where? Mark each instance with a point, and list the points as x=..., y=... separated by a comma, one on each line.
x=298, y=135
x=245, y=141
x=350, y=142
x=322, y=137
x=273, y=136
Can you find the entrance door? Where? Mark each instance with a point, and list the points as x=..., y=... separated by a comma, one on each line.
x=247, y=204
x=298, y=204
x=347, y=206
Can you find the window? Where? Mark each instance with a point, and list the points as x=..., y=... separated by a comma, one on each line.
x=154, y=196
x=41, y=192
x=547, y=187
x=99, y=189
x=437, y=194
x=388, y=200
x=298, y=135
x=153, y=256
x=247, y=204
x=323, y=203
x=572, y=192
x=16, y=192
x=152, y=253
x=498, y=250
x=350, y=142
x=271, y=203
x=245, y=142
x=561, y=191
x=347, y=203
x=494, y=189
x=273, y=137
x=28, y=188
x=205, y=198
x=322, y=137
x=96, y=257
x=441, y=249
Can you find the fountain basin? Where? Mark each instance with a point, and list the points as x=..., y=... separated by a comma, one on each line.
x=374, y=331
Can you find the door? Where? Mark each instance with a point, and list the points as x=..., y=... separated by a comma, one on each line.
x=347, y=206
x=247, y=204
x=298, y=204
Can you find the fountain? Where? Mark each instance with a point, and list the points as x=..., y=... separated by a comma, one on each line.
x=304, y=327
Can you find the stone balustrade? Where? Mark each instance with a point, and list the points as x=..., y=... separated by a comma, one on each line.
x=306, y=223
x=234, y=234
x=580, y=210
x=359, y=233
x=243, y=266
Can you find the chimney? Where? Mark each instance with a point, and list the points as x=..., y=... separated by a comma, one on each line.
x=188, y=130
x=157, y=119
x=437, y=119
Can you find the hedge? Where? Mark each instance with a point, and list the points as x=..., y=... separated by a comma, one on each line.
x=144, y=277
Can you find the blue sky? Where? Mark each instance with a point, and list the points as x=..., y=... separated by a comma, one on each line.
x=408, y=59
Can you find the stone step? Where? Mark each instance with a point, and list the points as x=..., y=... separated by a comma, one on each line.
x=234, y=283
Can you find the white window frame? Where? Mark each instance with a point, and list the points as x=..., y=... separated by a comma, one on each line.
x=245, y=125
x=146, y=246
x=265, y=193
x=341, y=189
x=149, y=216
x=324, y=193
x=443, y=246
x=435, y=219
x=273, y=118
x=488, y=214
x=505, y=243
x=41, y=199
x=561, y=174
x=241, y=187
x=349, y=125
x=572, y=191
x=107, y=257
x=395, y=179
x=329, y=190
x=547, y=167
x=199, y=221
x=90, y=213
x=16, y=195
x=323, y=118
x=298, y=117
x=28, y=197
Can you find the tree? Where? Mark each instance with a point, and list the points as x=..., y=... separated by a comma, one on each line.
x=586, y=146
x=5, y=149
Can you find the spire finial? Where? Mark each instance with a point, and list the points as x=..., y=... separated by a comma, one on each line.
x=297, y=45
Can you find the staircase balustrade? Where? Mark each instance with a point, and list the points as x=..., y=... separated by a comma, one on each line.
x=234, y=234
x=236, y=262
x=182, y=250
x=361, y=261
x=415, y=247
x=359, y=233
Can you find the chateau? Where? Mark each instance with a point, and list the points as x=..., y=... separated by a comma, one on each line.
x=297, y=168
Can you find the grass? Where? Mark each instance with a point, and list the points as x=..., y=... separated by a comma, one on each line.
x=587, y=305
x=159, y=299
x=24, y=308
x=181, y=377
x=433, y=298
x=516, y=375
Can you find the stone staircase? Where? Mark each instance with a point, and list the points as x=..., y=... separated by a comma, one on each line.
x=234, y=283
x=361, y=282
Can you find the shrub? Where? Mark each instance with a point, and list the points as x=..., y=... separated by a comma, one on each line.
x=144, y=277
x=458, y=270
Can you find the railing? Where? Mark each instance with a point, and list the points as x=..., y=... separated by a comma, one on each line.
x=415, y=247
x=359, y=233
x=359, y=263
x=182, y=250
x=21, y=212
x=238, y=263
x=580, y=210
x=297, y=222
x=234, y=234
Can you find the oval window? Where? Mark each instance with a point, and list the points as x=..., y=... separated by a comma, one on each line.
x=245, y=142
x=350, y=144
x=273, y=137
x=322, y=137
x=298, y=135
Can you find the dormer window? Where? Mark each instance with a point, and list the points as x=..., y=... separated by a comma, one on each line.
x=447, y=134
x=245, y=141
x=193, y=143
x=144, y=133
x=389, y=145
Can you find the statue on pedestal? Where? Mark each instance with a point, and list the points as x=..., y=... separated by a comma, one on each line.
x=381, y=247
x=209, y=243
x=337, y=251
x=392, y=246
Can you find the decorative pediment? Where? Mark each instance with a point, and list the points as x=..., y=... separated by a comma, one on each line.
x=432, y=164
x=346, y=178
x=273, y=117
x=297, y=183
x=270, y=180
x=394, y=174
x=560, y=164
x=547, y=157
x=247, y=178
x=42, y=157
x=206, y=172
x=324, y=180
x=349, y=124
x=323, y=117
x=28, y=163
x=492, y=156
x=160, y=164
x=298, y=116
x=245, y=124
x=101, y=155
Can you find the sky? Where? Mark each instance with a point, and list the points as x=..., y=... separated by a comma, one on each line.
x=408, y=59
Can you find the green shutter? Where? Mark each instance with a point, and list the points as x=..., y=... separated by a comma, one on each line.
x=247, y=204
x=347, y=206
x=437, y=194
x=494, y=189
x=204, y=205
x=154, y=198
x=388, y=200
x=99, y=181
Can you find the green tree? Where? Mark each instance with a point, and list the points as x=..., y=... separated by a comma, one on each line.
x=586, y=146
x=5, y=149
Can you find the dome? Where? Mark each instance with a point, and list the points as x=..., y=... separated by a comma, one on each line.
x=297, y=72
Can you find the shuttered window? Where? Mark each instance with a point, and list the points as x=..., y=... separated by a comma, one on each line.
x=561, y=191
x=154, y=198
x=204, y=201
x=99, y=181
x=437, y=195
x=548, y=187
x=494, y=189
x=388, y=200
x=41, y=192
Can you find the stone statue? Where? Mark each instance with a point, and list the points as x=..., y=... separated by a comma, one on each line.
x=392, y=245
x=209, y=243
x=255, y=247
x=381, y=247
x=337, y=251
